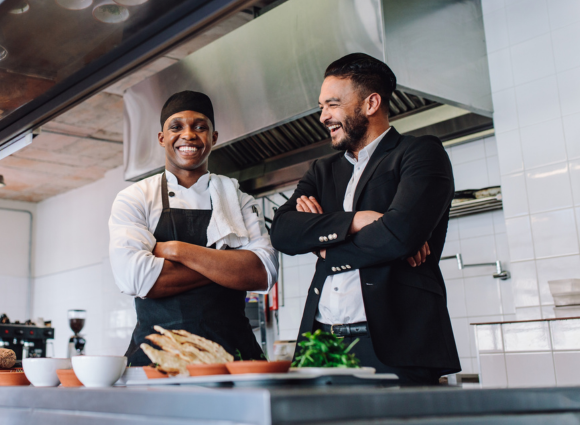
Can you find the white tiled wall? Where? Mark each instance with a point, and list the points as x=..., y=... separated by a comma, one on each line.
x=534, y=65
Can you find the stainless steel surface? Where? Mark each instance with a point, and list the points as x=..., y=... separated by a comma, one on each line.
x=476, y=206
x=263, y=74
x=437, y=49
x=499, y=272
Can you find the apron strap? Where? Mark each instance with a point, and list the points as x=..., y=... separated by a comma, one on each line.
x=165, y=202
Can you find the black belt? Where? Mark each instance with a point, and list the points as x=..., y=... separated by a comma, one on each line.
x=351, y=329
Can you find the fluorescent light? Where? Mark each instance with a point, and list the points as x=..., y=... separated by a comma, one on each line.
x=14, y=146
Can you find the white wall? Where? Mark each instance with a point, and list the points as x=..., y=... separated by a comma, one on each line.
x=14, y=258
x=534, y=63
x=73, y=269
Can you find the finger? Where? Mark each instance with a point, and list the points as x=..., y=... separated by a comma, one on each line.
x=428, y=248
x=411, y=262
x=417, y=258
x=423, y=254
x=323, y=253
x=316, y=204
x=299, y=207
x=309, y=204
x=303, y=206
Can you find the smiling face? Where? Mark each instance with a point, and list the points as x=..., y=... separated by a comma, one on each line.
x=188, y=138
x=342, y=113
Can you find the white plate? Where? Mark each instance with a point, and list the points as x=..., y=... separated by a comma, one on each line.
x=333, y=370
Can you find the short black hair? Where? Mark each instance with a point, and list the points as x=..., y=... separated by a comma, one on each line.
x=369, y=75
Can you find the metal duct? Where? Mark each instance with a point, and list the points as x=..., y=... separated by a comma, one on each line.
x=264, y=78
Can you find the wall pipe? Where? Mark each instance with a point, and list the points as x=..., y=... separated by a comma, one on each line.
x=29, y=292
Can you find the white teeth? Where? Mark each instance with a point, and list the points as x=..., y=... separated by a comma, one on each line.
x=187, y=149
x=333, y=127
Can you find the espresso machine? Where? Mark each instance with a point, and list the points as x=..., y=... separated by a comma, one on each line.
x=76, y=343
x=26, y=340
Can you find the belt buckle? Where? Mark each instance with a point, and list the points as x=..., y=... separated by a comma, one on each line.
x=332, y=330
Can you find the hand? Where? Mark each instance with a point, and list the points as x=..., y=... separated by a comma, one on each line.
x=167, y=250
x=308, y=204
x=362, y=219
x=322, y=253
x=420, y=257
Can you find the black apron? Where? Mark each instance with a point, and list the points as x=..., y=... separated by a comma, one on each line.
x=211, y=311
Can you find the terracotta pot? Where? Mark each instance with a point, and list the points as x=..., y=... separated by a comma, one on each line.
x=258, y=366
x=13, y=377
x=153, y=373
x=207, y=369
x=68, y=378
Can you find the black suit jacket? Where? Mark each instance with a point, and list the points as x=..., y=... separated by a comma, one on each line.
x=411, y=181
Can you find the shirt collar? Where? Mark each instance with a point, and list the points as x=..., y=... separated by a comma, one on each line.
x=200, y=184
x=366, y=152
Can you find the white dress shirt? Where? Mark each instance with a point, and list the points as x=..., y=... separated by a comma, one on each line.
x=134, y=217
x=341, y=300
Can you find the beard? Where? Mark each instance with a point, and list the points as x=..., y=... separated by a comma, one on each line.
x=355, y=128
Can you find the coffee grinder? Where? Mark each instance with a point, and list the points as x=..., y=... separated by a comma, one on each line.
x=76, y=343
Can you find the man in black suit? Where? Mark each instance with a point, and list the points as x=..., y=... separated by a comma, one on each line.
x=364, y=212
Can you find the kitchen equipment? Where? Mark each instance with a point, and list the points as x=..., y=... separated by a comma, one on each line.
x=41, y=372
x=566, y=292
x=99, y=371
x=76, y=343
x=25, y=340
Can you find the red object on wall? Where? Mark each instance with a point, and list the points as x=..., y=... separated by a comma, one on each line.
x=274, y=295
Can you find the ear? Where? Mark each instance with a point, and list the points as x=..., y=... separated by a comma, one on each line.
x=214, y=138
x=374, y=102
x=161, y=139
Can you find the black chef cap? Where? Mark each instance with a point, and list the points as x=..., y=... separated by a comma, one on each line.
x=187, y=101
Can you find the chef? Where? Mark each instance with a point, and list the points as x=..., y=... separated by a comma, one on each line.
x=188, y=244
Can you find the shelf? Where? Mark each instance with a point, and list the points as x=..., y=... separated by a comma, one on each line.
x=476, y=206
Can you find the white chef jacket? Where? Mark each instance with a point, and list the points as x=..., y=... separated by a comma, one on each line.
x=134, y=217
x=341, y=300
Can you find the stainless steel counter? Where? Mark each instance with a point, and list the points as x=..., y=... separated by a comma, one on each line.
x=336, y=405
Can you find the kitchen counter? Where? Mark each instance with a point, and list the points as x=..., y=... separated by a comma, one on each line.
x=336, y=405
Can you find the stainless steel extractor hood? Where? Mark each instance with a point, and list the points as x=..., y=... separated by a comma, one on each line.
x=264, y=80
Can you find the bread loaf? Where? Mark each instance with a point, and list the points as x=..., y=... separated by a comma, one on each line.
x=7, y=358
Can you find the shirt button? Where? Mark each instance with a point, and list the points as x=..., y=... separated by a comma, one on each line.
x=316, y=291
x=172, y=194
x=347, y=319
x=336, y=289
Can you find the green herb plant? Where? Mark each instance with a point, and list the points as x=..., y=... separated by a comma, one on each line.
x=322, y=349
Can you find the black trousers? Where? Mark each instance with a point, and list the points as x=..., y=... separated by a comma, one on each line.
x=365, y=352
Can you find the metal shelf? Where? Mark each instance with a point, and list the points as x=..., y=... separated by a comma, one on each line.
x=476, y=206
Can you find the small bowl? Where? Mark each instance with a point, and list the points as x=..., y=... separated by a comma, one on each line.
x=99, y=371
x=154, y=373
x=68, y=378
x=109, y=12
x=74, y=4
x=258, y=366
x=41, y=372
x=207, y=369
x=13, y=377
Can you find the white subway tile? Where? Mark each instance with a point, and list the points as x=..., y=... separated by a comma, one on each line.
x=528, y=313
x=470, y=175
x=575, y=180
x=520, y=238
x=493, y=173
x=554, y=234
x=290, y=315
x=475, y=225
x=449, y=268
x=496, y=32
x=489, y=338
x=491, y=6
x=510, y=152
x=482, y=296
x=549, y=188
x=538, y=101
x=288, y=334
x=565, y=42
x=500, y=70
x=490, y=144
x=548, y=312
x=466, y=365
x=468, y=152
x=565, y=334
x=499, y=221
x=505, y=111
x=567, y=370
x=455, y=298
x=306, y=275
x=569, y=90
x=502, y=250
x=526, y=19
x=578, y=221
x=530, y=370
x=532, y=59
x=292, y=282
x=290, y=260
x=514, y=191
x=563, y=13
x=492, y=371
x=572, y=135
x=307, y=259
x=507, y=296
x=567, y=267
x=452, y=230
x=461, y=334
x=525, y=284
x=527, y=336
x=478, y=250
x=543, y=143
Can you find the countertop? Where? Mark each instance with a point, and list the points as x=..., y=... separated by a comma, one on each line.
x=333, y=404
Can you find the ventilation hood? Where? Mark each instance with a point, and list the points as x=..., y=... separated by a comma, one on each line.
x=264, y=79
